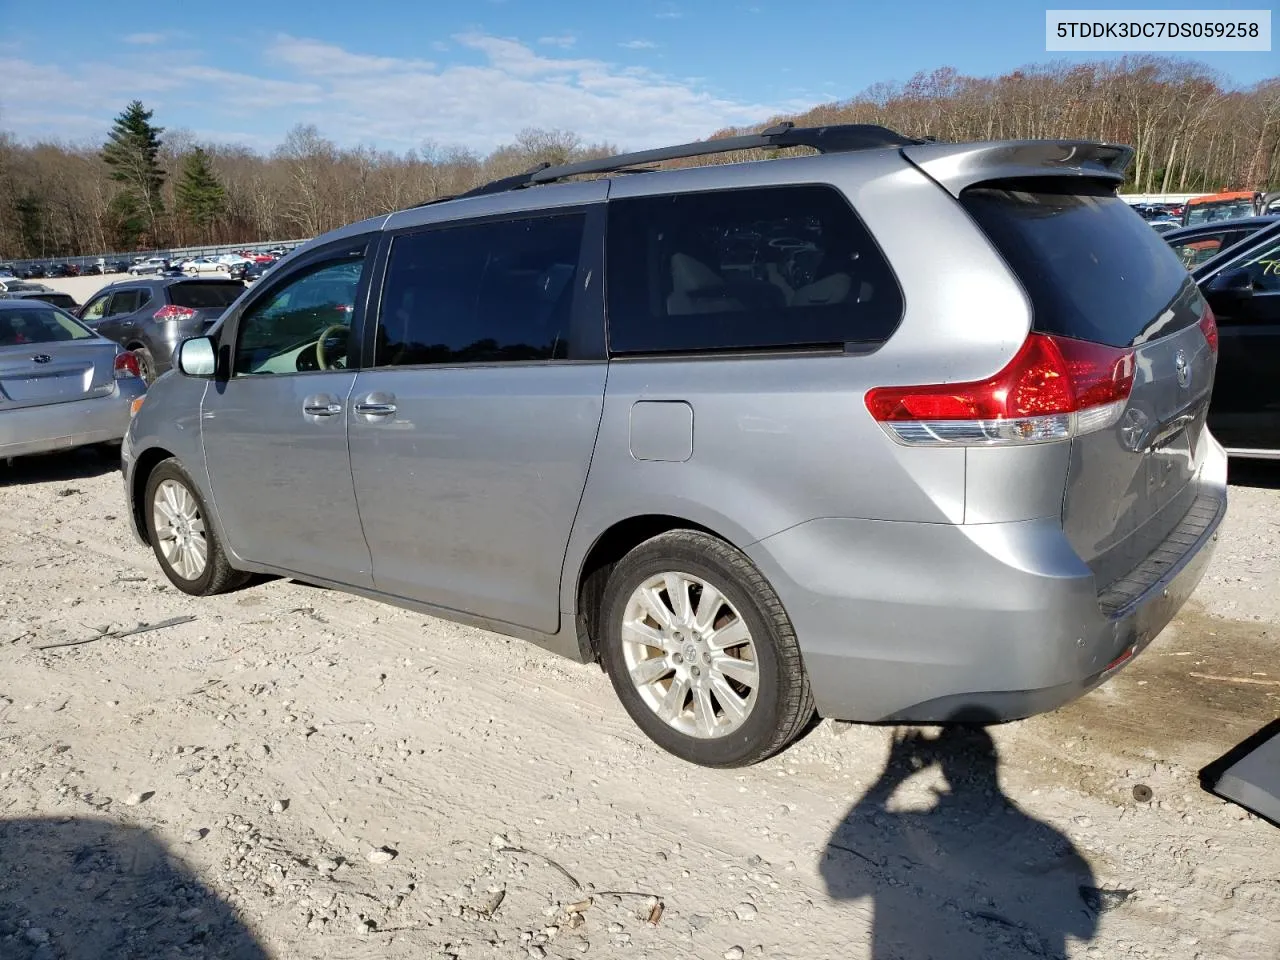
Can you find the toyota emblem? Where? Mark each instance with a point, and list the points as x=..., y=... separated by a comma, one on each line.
x=42, y=358
x=1183, y=369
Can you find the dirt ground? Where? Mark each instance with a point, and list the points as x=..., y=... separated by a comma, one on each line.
x=290, y=772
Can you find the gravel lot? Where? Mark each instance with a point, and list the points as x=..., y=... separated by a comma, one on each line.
x=293, y=772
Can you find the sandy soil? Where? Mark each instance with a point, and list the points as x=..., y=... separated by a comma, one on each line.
x=295, y=773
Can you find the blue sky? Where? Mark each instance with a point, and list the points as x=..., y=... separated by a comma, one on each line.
x=472, y=74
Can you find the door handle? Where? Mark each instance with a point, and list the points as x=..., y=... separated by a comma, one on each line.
x=376, y=405
x=321, y=407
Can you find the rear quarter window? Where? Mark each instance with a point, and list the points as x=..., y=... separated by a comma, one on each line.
x=754, y=269
x=1092, y=268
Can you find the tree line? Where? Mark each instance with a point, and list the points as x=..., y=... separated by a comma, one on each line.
x=148, y=188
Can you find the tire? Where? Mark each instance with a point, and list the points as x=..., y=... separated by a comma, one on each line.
x=146, y=365
x=772, y=709
x=216, y=575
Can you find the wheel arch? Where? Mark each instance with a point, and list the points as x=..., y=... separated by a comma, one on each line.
x=610, y=546
x=147, y=461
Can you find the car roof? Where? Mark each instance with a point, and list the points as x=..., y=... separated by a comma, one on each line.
x=13, y=303
x=844, y=150
x=1211, y=226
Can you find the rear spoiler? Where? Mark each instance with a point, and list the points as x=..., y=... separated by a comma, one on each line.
x=959, y=165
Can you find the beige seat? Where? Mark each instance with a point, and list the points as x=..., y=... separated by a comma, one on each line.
x=692, y=289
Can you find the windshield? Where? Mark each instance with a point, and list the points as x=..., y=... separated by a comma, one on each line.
x=39, y=325
x=1222, y=210
x=205, y=295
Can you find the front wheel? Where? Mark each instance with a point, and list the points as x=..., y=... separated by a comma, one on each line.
x=183, y=540
x=701, y=653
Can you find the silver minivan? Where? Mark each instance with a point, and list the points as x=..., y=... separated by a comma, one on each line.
x=902, y=431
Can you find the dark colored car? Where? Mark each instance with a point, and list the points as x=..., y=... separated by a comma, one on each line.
x=33, y=271
x=1242, y=285
x=63, y=300
x=255, y=271
x=152, y=315
x=64, y=270
x=1201, y=243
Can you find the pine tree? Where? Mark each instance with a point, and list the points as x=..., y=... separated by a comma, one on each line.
x=201, y=198
x=130, y=152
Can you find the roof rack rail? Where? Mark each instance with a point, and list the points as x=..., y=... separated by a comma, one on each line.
x=838, y=138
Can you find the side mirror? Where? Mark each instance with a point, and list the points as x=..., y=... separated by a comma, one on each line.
x=197, y=357
x=1235, y=283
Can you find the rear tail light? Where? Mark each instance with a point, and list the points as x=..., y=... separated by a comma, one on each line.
x=174, y=312
x=126, y=366
x=1209, y=325
x=1055, y=388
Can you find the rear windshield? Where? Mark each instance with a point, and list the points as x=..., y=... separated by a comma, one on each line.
x=1093, y=268
x=64, y=300
x=38, y=324
x=205, y=294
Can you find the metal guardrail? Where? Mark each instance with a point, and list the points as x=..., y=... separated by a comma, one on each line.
x=170, y=253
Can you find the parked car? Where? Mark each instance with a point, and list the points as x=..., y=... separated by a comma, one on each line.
x=61, y=385
x=34, y=271
x=201, y=265
x=1195, y=245
x=749, y=482
x=256, y=271
x=151, y=316
x=63, y=270
x=119, y=266
x=1242, y=284
x=1230, y=205
x=62, y=300
x=149, y=265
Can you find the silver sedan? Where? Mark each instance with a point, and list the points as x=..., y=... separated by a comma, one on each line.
x=61, y=385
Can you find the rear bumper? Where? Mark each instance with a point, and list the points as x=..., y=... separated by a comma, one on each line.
x=922, y=623
x=77, y=423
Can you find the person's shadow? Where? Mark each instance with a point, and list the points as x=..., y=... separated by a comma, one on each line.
x=89, y=889
x=972, y=877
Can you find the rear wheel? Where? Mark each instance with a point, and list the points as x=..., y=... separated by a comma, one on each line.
x=146, y=365
x=183, y=540
x=701, y=653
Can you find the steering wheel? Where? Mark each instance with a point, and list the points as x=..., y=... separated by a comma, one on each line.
x=328, y=332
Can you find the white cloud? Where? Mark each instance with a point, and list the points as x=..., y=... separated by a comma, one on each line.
x=145, y=39
x=494, y=88
x=317, y=58
x=564, y=42
x=669, y=11
x=638, y=45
